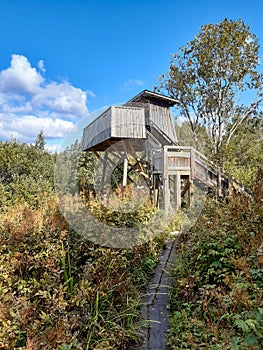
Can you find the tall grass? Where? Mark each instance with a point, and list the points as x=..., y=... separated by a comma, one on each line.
x=60, y=291
x=217, y=299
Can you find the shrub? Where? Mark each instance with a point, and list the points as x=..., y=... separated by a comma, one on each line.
x=217, y=296
x=60, y=291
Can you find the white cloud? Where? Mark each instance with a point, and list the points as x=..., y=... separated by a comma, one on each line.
x=29, y=103
x=62, y=98
x=41, y=66
x=20, y=77
x=26, y=128
x=90, y=93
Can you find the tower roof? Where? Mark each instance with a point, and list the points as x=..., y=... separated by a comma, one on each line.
x=147, y=95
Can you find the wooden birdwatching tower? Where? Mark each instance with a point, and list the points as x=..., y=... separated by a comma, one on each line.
x=144, y=125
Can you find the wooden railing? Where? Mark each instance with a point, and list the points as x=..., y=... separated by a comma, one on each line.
x=189, y=161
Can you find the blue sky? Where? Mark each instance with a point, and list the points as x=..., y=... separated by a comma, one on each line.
x=63, y=59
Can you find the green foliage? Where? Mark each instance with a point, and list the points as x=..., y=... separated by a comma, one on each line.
x=57, y=289
x=40, y=141
x=185, y=137
x=244, y=152
x=217, y=296
x=60, y=291
x=208, y=74
x=241, y=155
x=123, y=209
x=26, y=171
x=74, y=171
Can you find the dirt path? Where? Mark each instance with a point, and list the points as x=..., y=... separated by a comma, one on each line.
x=154, y=304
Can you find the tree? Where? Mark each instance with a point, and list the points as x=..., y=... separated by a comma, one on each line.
x=185, y=136
x=243, y=154
x=40, y=141
x=208, y=76
x=74, y=170
x=25, y=171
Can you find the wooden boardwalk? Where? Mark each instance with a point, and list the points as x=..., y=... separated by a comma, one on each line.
x=154, y=310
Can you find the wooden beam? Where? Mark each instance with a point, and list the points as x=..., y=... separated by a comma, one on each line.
x=103, y=162
x=178, y=200
x=186, y=187
x=125, y=172
x=103, y=172
x=192, y=163
x=191, y=192
x=166, y=192
x=142, y=172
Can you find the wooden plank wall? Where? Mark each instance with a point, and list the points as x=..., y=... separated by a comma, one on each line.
x=178, y=161
x=162, y=117
x=115, y=122
x=98, y=131
x=128, y=122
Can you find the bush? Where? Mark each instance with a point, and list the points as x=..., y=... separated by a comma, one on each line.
x=57, y=289
x=26, y=172
x=217, y=296
x=60, y=291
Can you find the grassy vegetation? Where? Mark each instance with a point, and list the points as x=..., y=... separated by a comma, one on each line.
x=217, y=299
x=58, y=290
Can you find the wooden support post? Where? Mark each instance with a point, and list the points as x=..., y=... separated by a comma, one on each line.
x=158, y=198
x=185, y=189
x=174, y=189
x=156, y=190
x=192, y=163
x=125, y=172
x=190, y=192
x=166, y=194
x=178, y=197
x=103, y=173
x=103, y=162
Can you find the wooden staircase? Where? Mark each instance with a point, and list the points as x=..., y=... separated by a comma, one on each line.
x=173, y=164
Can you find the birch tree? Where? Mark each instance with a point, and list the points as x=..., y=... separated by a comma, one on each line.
x=209, y=76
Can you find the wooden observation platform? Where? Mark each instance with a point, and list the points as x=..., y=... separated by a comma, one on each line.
x=142, y=128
